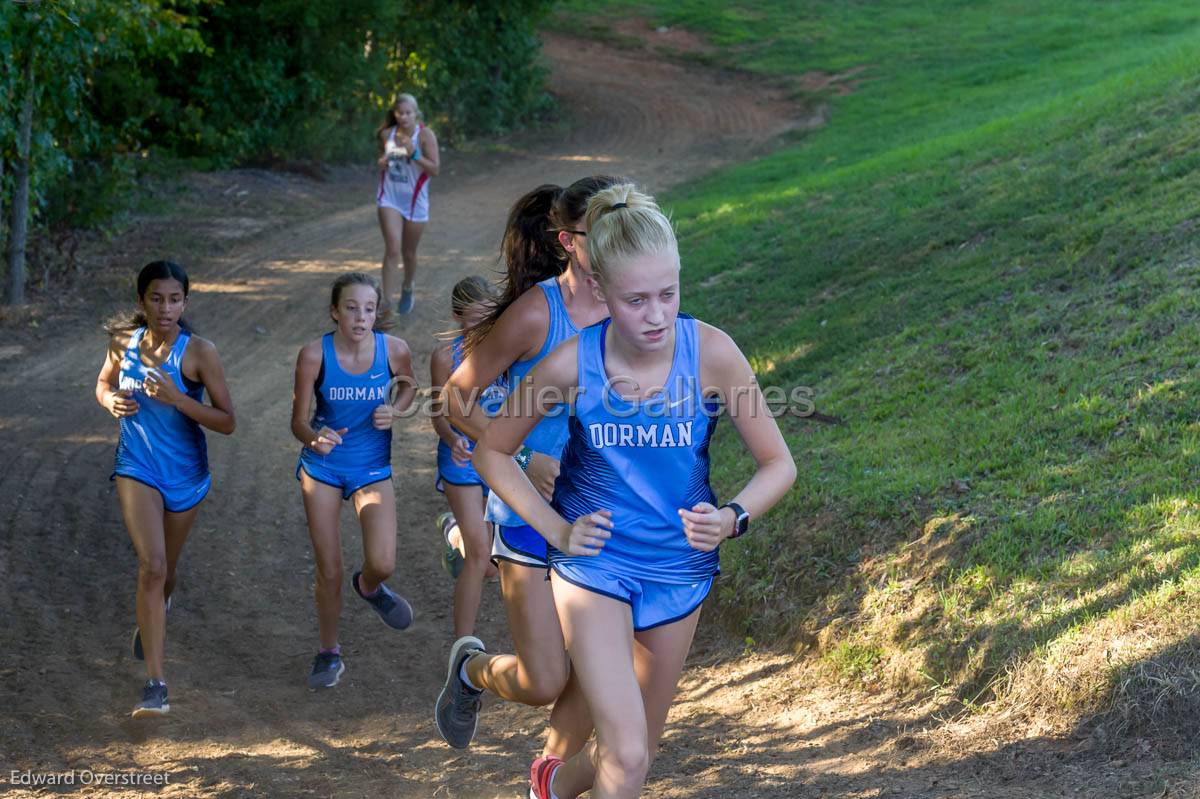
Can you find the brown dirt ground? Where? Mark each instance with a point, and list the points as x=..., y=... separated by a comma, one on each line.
x=262, y=248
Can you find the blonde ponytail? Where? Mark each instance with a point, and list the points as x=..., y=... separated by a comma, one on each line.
x=624, y=223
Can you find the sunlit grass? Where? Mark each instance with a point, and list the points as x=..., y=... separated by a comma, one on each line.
x=985, y=265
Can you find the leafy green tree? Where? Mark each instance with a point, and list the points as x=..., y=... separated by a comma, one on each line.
x=52, y=48
x=90, y=87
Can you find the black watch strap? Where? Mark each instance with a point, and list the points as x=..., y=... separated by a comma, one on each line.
x=741, y=519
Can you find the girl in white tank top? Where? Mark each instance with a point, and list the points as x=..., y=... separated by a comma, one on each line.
x=408, y=158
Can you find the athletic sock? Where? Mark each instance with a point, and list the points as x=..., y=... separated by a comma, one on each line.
x=466, y=680
x=358, y=586
x=334, y=650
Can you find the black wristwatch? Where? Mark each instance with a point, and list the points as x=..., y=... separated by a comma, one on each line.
x=741, y=519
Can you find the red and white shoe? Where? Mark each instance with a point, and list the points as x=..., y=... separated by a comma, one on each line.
x=540, y=775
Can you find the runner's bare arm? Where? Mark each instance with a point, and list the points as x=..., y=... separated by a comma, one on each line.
x=202, y=356
x=308, y=364
x=725, y=369
x=430, y=161
x=552, y=381
x=400, y=360
x=439, y=372
x=526, y=320
x=118, y=403
x=382, y=141
x=403, y=385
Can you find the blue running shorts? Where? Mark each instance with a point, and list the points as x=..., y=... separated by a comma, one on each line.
x=653, y=603
x=347, y=481
x=176, y=497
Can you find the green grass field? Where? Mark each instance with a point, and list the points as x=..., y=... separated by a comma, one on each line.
x=985, y=264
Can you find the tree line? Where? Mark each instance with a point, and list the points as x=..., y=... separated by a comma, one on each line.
x=94, y=90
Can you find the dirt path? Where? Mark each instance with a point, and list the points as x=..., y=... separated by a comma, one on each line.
x=242, y=628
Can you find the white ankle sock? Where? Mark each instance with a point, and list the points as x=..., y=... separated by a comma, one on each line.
x=552, y=795
x=462, y=675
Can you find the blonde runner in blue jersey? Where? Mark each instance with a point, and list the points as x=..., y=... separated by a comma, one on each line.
x=633, y=524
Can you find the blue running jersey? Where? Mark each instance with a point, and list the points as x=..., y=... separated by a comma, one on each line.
x=641, y=460
x=490, y=399
x=550, y=435
x=158, y=439
x=348, y=400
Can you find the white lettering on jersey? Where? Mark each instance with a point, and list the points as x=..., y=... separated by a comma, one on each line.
x=356, y=393
x=613, y=434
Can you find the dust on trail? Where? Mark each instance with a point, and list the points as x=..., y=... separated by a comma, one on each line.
x=242, y=628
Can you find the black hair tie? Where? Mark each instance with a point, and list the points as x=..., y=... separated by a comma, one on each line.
x=619, y=205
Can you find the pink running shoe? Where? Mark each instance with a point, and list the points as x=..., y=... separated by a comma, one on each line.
x=540, y=775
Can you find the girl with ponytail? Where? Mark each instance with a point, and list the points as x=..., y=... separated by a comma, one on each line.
x=545, y=301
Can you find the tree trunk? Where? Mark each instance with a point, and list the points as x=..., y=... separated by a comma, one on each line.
x=1, y=203
x=20, y=207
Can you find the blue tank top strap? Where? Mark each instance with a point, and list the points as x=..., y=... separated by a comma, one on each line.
x=589, y=356
x=561, y=326
x=382, y=362
x=328, y=359
x=175, y=358
x=456, y=352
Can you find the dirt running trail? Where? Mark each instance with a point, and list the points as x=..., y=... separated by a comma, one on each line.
x=242, y=630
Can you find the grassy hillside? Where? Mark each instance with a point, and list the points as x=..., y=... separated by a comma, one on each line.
x=985, y=265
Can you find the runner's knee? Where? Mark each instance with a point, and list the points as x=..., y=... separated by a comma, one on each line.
x=329, y=573
x=625, y=756
x=379, y=569
x=544, y=685
x=152, y=570
x=477, y=556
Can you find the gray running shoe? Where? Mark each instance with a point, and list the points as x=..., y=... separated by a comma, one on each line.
x=154, y=700
x=138, y=652
x=327, y=669
x=391, y=607
x=457, y=709
x=406, y=302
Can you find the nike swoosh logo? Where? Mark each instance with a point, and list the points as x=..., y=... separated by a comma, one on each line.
x=376, y=377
